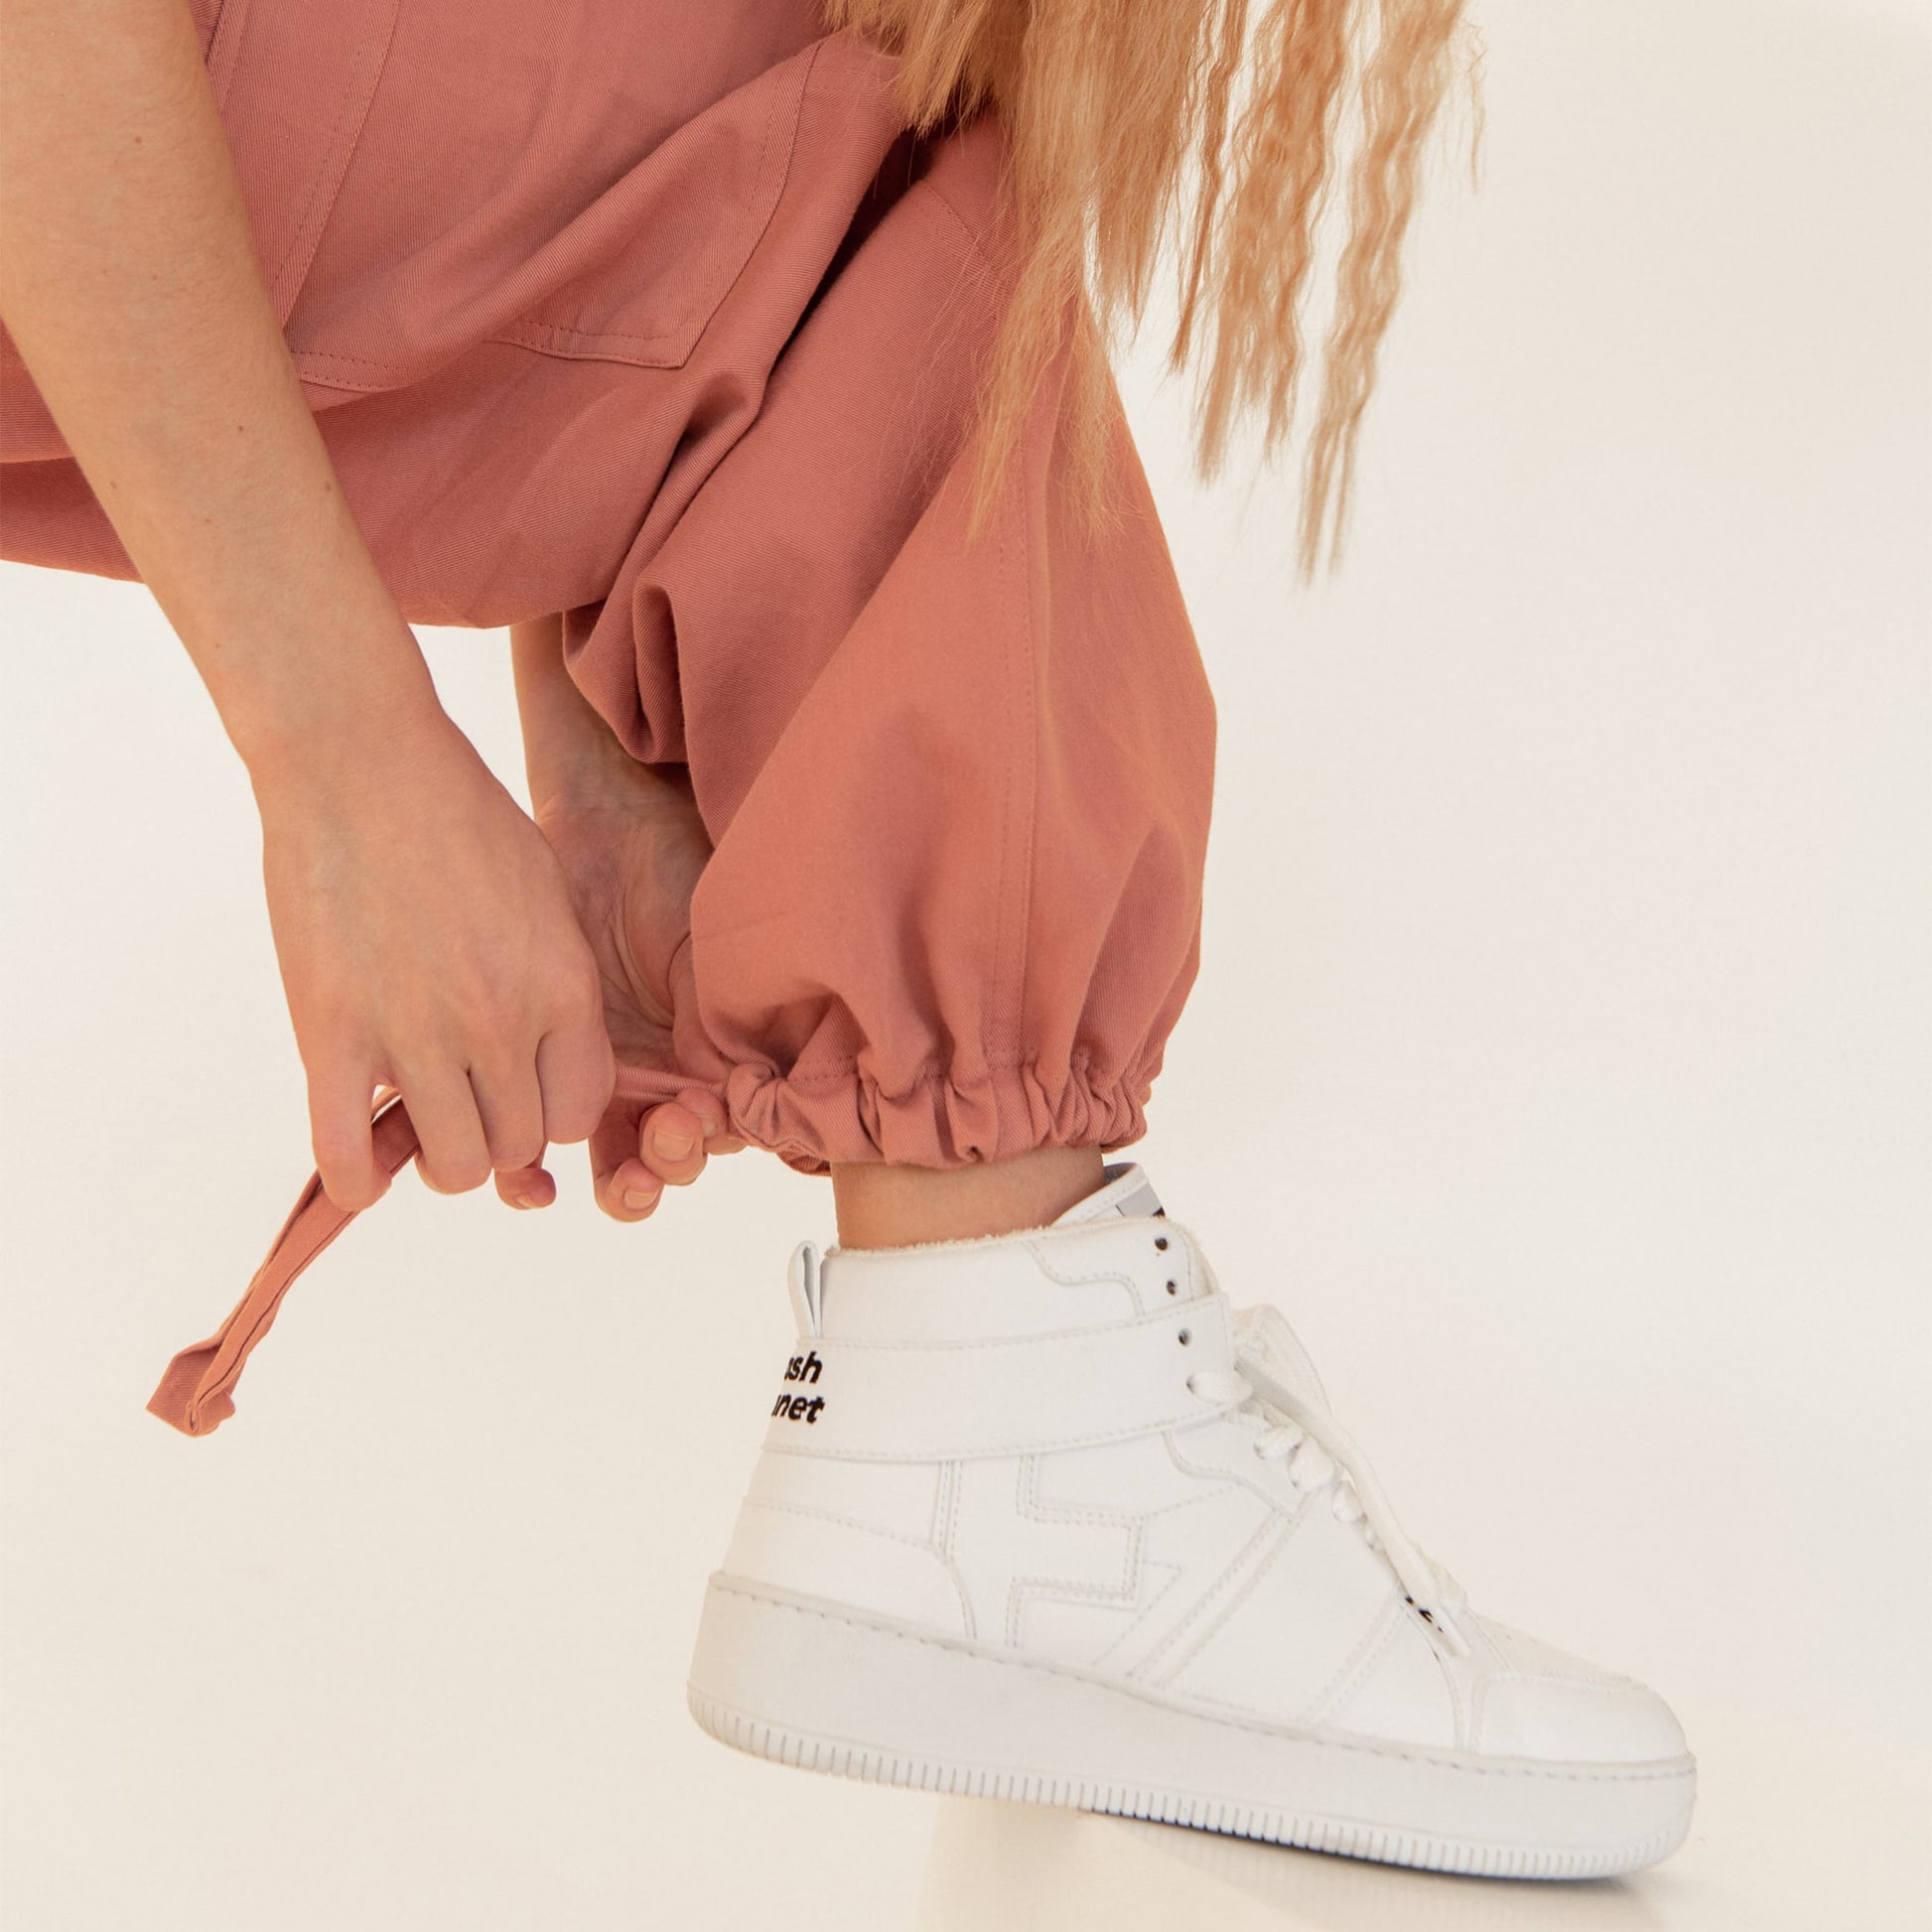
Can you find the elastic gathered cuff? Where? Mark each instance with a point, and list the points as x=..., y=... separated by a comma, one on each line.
x=936, y=1120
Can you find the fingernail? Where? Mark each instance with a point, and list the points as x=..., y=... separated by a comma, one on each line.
x=673, y=1143
x=634, y=1197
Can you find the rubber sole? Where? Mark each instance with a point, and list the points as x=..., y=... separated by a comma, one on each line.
x=818, y=1685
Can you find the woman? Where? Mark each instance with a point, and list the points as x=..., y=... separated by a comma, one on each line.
x=744, y=361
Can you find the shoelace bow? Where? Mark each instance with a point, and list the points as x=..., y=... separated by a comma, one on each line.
x=1317, y=1452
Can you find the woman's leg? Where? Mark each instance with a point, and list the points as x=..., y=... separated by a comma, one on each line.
x=957, y=779
x=883, y=1205
x=633, y=848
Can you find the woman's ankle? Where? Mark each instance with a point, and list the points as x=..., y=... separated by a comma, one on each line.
x=571, y=757
x=881, y=1205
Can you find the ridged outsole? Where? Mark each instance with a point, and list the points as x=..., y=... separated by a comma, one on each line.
x=1343, y=1837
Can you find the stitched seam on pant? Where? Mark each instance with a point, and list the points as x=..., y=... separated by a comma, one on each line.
x=285, y=285
x=751, y=230
x=1029, y=743
x=669, y=348
x=997, y=952
x=1002, y=1016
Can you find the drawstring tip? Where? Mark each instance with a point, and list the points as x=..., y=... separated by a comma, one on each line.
x=179, y=1399
x=194, y=1392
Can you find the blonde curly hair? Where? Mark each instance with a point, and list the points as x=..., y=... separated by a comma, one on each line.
x=1208, y=133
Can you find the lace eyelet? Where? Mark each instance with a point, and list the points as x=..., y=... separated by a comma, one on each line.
x=1185, y=1337
x=1161, y=1243
x=1173, y=1289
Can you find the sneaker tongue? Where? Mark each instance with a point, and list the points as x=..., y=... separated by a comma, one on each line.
x=1127, y=1193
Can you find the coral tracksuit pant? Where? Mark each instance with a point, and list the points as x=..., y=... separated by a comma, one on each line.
x=649, y=313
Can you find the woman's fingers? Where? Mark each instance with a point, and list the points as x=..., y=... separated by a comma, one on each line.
x=575, y=1072
x=635, y=1157
x=495, y=1121
x=625, y=1189
x=510, y=1105
x=671, y=1143
x=711, y=1114
x=454, y=1155
x=340, y=1088
x=530, y=1186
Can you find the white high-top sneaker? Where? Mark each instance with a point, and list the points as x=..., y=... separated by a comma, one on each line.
x=1043, y=1518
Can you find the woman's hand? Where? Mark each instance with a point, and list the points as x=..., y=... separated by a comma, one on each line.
x=632, y=858
x=632, y=845
x=424, y=929
x=427, y=942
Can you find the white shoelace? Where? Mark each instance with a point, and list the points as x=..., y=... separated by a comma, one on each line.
x=1319, y=1452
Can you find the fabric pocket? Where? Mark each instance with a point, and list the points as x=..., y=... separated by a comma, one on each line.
x=585, y=181
x=660, y=251
x=294, y=86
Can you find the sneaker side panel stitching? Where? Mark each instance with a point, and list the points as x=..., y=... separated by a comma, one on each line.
x=1668, y=1773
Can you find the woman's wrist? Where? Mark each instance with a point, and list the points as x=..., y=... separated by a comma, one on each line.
x=308, y=661
x=357, y=708
x=338, y=758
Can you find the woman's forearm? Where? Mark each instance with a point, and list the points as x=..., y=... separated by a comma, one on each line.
x=129, y=283
x=424, y=929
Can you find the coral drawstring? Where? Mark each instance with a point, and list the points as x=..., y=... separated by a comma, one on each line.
x=195, y=1392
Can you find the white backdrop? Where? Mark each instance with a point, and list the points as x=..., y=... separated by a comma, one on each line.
x=1559, y=1064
